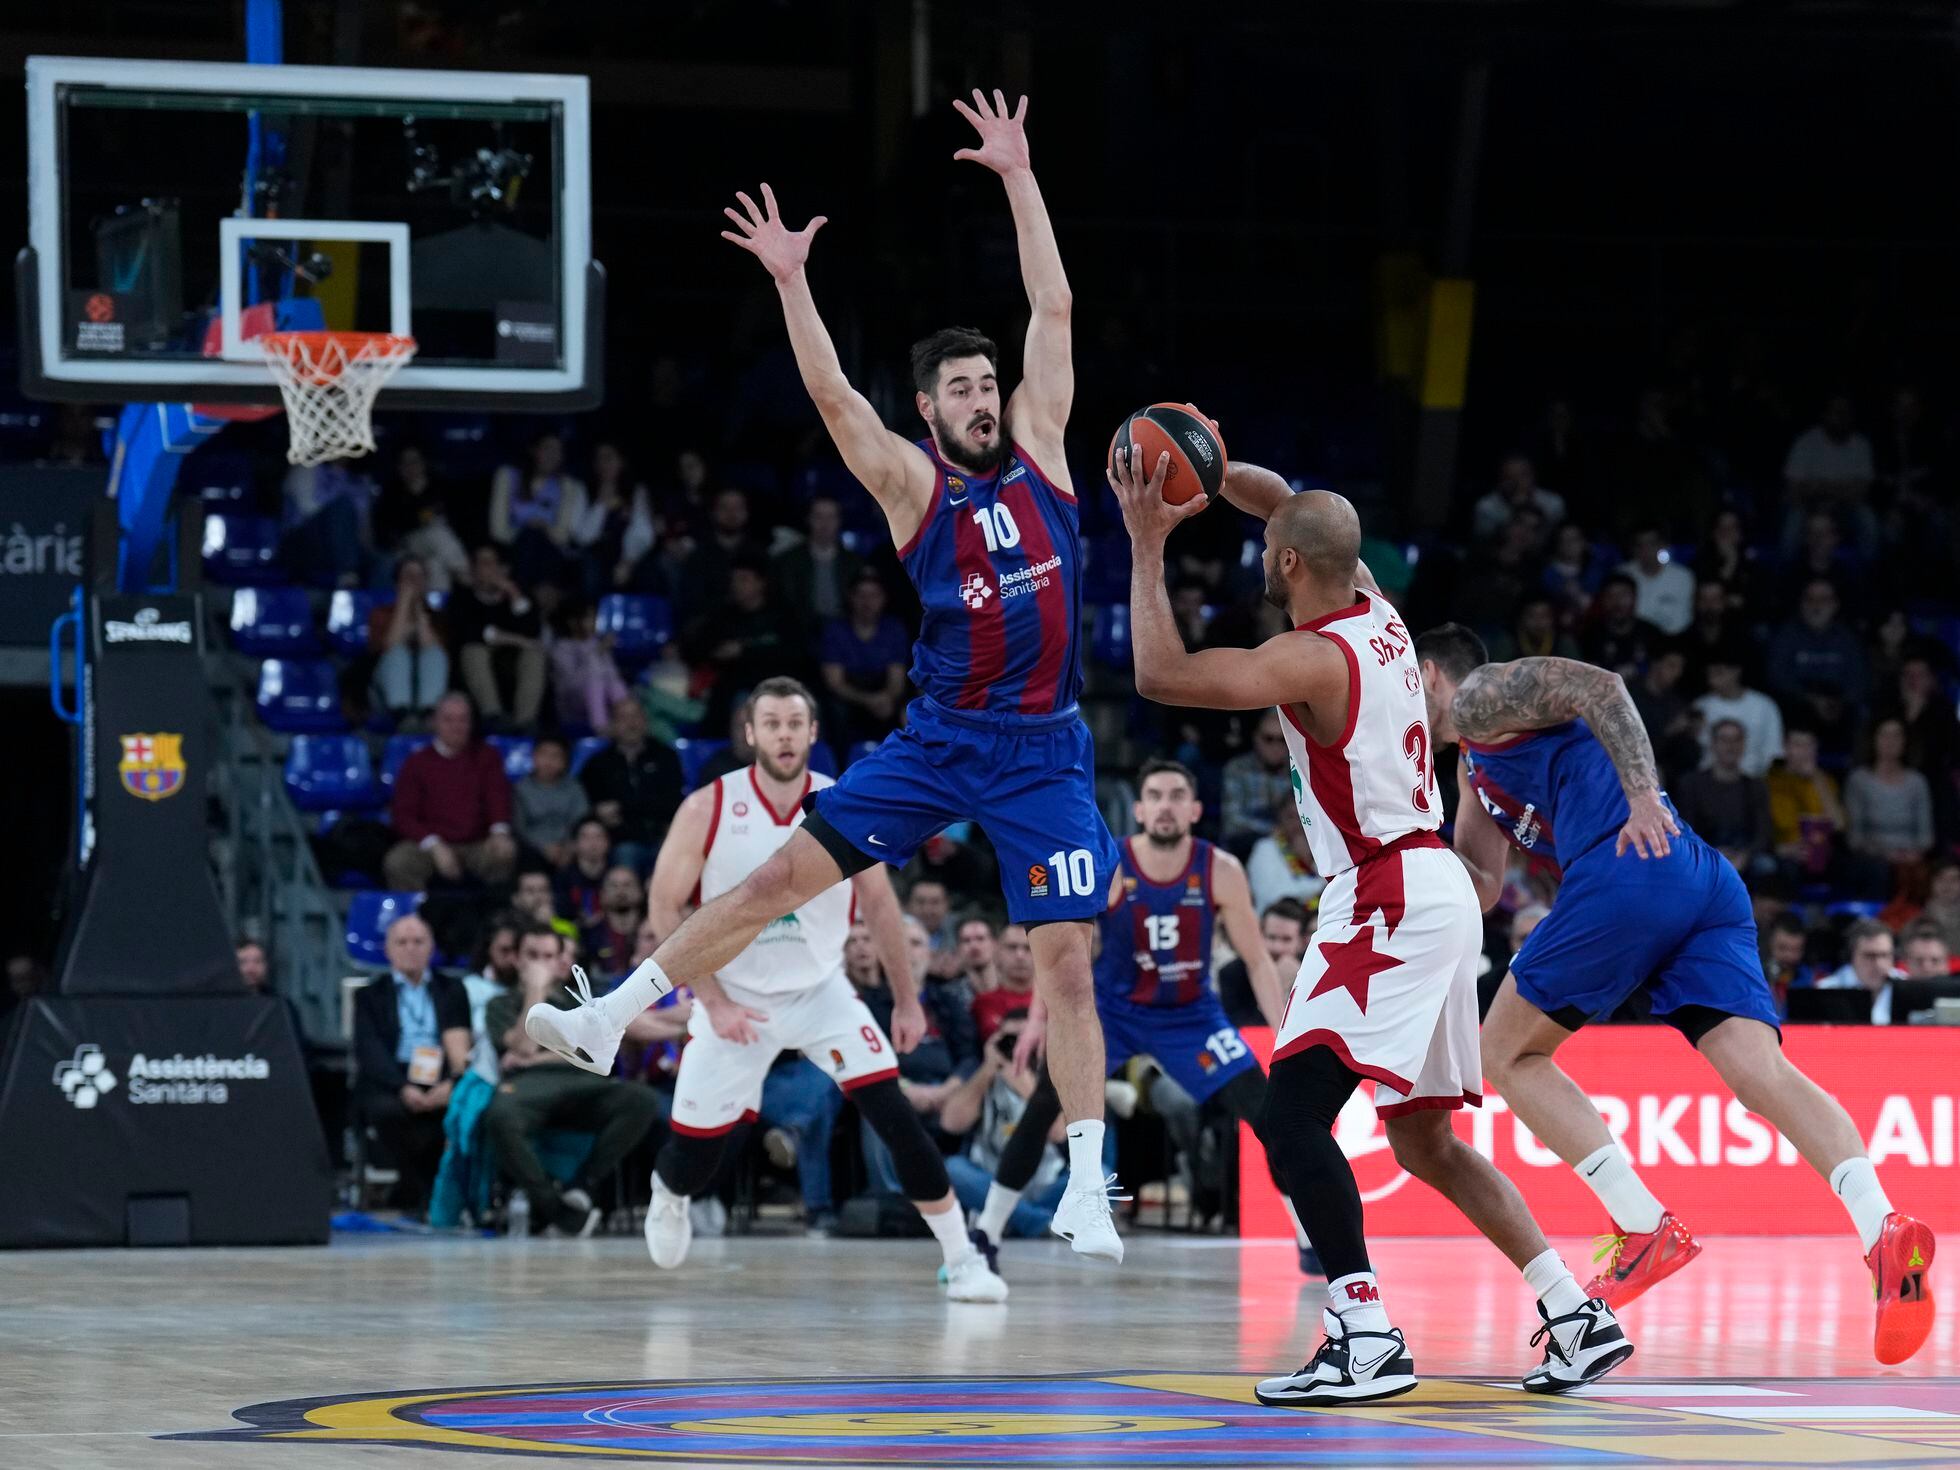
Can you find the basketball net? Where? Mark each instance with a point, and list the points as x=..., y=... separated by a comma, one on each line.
x=329, y=381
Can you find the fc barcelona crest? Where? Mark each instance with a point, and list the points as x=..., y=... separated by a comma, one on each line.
x=152, y=766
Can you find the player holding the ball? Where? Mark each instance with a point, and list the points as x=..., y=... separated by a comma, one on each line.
x=985, y=522
x=1388, y=987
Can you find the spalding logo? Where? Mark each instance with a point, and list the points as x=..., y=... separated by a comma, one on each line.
x=1200, y=444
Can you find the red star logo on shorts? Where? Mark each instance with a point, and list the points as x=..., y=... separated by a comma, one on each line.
x=1351, y=965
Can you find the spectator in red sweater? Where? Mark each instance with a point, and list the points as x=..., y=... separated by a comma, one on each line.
x=452, y=808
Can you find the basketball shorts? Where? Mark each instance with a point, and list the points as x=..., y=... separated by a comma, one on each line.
x=1028, y=783
x=720, y=1082
x=1681, y=926
x=1389, y=981
x=1198, y=1048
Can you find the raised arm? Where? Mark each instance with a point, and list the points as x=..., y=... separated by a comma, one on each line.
x=1496, y=700
x=1038, y=412
x=896, y=474
x=1234, y=895
x=1287, y=669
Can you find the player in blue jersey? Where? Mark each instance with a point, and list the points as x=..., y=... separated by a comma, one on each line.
x=1553, y=758
x=1154, y=990
x=985, y=521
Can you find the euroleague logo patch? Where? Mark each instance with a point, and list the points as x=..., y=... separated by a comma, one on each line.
x=1037, y=880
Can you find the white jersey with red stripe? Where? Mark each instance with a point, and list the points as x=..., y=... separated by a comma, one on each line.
x=1376, y=782
x=800, y=950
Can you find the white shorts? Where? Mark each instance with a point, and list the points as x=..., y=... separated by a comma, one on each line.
x=1389, y=981
x=720, y=1082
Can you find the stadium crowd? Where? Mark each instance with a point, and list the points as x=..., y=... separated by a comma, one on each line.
x=1773, y=598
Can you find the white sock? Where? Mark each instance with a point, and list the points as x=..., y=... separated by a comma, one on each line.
x=1357, y=1301
x=1085, y=1149
x=1549, y=1279
x=949, y=1229
x=997, y=1211
x=1299, y=1230
x=1608, y=1174
x=1855, y=1183
x=634, y=994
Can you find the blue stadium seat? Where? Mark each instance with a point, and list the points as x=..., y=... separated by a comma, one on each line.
x=331, y=773
x=241, y=551
x=398, y=749
x=1109, y=634
x=695, y=755
x=368, y=918
x=518, y=751
x=590, y=746
x=823, y=760
x=640, y=627
x=298, y=695
x=347, y=622
x=1854, y=908
x=859, y=751
x=272, y=622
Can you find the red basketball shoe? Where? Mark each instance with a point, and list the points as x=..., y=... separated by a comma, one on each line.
x=1899, y=1264
x=1636, y=1262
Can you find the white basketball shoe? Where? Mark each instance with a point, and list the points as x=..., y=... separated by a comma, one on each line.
x=582, y=1035
x=973, y=1279
x=1083, y=1219
x=669, y=1230
x=1351, y=1367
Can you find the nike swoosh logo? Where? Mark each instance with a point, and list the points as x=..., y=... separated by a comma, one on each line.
x=1596, y=1168
x=1622, y=1272
x=874, y=841
x=1362, y=1369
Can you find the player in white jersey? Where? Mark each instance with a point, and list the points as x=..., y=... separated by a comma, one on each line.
x=1387, y=989
x=787, y=991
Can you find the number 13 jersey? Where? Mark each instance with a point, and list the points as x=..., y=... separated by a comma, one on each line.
x=1376, y=782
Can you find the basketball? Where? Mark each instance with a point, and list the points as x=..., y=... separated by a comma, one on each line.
x=1197, y=453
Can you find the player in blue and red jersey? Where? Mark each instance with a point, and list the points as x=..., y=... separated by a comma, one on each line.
x=1154, y=989
x=1553, y=758
x=985, y=521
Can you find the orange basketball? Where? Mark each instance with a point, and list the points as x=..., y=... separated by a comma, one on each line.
x=1197, y=453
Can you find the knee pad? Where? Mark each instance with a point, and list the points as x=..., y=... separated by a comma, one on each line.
x=921, y=1171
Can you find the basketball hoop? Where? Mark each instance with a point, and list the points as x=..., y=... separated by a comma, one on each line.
x=329, y=381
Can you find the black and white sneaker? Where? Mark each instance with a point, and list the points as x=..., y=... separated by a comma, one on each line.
x=1350, y=1368
x=1579, y=1347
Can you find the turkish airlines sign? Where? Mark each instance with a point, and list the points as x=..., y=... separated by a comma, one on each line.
x=1720, y=1167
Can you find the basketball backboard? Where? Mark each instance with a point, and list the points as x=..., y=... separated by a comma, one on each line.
x=166, y=199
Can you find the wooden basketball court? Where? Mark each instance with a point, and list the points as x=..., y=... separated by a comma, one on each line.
x=394, y=1350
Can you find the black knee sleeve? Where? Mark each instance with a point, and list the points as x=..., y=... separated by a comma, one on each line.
x=687, y=1162
x=1303, y=1098
x=921, y=1171
x=1029, y=1140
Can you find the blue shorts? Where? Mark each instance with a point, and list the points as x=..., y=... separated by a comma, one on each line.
x=1679, y=926
x=1029, y=783
x=1198, y=1048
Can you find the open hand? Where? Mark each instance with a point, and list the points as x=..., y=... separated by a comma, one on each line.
x=1146, y=514
x=733, y=1021
x=763, y=234
x=1003, y=140
x=1648, y=826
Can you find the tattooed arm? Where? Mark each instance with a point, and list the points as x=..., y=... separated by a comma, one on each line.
x=1495, y=700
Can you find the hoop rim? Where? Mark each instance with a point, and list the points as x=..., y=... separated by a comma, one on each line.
x=282, y=343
